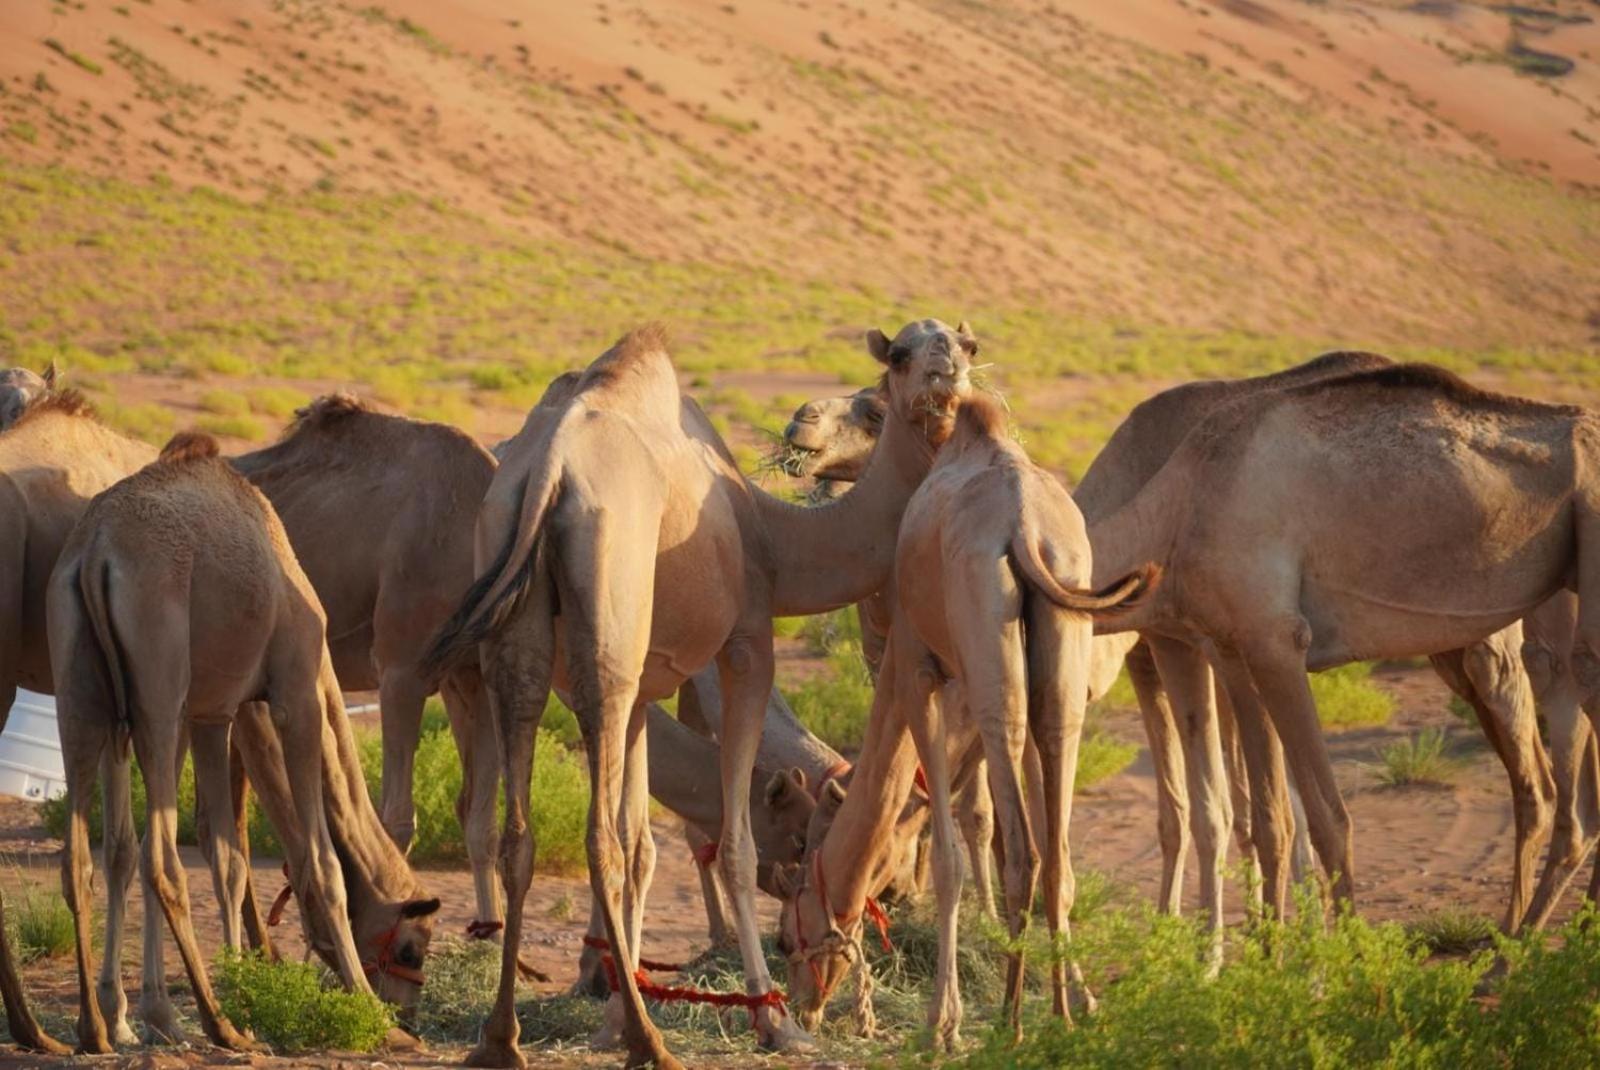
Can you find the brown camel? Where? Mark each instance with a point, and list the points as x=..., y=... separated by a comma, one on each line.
x=1181, y=717
x=624, y=508
x=20, y=388
x=177, y=587
x=52, y=461
x=1440, y=515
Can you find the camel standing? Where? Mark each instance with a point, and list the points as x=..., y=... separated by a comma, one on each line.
x=177, y=587
x=989, y=570
x=52, y=461
x=625, y=505
x=20, y=388
x=1387, y=513
x=1183, y=711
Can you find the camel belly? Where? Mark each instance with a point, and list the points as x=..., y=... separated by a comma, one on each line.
x=1352, y=626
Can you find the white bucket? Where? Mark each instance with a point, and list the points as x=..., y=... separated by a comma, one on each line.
x=30, y=750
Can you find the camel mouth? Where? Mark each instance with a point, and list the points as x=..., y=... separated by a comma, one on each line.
x=790, y=458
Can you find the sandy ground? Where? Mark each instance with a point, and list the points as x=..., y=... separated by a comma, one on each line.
x=1418, y=850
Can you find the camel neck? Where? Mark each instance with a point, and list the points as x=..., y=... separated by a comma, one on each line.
x=375, y=870
x=856, y=851
x=828, y=556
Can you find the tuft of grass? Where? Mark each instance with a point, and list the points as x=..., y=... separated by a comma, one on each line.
x=76, y=58
x=291, y=1006
x=39, y=925
x=1421, y=759
x=1453, y=931
x=462, y=978
x=1347, y=698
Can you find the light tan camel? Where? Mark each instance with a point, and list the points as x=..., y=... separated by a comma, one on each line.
x=178, y=591
x=1339, y=522
x=989, y=592
x=1182, y=719
x=624, y=508
x=20, y=388
x=52, y=462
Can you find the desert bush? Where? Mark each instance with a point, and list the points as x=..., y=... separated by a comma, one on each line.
x=1347, y=698
x=291, y=1006
x=53, y=813
x=826, y=632
x=835, y=705
x=38, y=924
x=1419, y=759
x=1453, y=931
x=1545, y=1013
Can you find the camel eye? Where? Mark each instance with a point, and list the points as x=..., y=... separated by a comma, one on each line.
x=409, y=957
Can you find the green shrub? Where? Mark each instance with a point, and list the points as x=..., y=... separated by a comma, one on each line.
x=826, y=632
x=53, y=813
x=1546, y=1013
x=290, y=1006
x=1420, y=759
x=835, y=705
x=1100, y=755
x=1347, y=698
x=38, y=924
x=1453, y=931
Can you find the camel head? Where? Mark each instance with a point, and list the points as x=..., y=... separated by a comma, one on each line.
x=19, y=388
x=393, y=940
x=832, y=438
x=780, y=827
x=928, y=371
x=819, y=949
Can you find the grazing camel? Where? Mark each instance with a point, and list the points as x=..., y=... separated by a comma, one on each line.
x=1386, y=513
x=177, y=590
x=52, y=461
x=20, y=388
x=624, y=507
x=1181, y=715
x=989, y=575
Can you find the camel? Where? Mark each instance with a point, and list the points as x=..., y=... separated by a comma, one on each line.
x=1188, y=751
x=52, y=461
x=624, y=508
x=221, y=616
x=1340, y=519
x=989, y=593
x=20, y=388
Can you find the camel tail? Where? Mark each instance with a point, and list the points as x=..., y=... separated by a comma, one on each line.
x=490, y=600
x=94, y=584
x=1118, y=597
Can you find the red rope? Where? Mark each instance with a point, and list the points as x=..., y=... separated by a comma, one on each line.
x=281, y=903
x=881, y=920
x=842, y=768
x=482, y=930
x=671, y=994
x=706, y=854
x=386, y=964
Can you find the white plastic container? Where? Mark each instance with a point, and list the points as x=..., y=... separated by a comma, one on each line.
x=30, y=750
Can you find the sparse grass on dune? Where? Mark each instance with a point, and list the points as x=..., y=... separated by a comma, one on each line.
x=1419, y=760
x=38, y=924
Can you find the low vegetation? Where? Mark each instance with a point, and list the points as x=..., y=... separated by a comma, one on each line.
x=297, y=1007
x=1422, y=759
x=1347, y=698
x=38, y=924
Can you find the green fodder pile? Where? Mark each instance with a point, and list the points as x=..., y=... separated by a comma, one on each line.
x=295, y=1007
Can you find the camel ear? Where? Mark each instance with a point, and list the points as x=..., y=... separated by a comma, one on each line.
x=969, y=341
x=50, y=375
x=782, y=783
x=878, y=345
x=833, y=794
x=419, y=908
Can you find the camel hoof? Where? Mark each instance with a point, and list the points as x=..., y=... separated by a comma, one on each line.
x=122, y=1034
x=397, y=1039
x=660, y=1059
x=95, y=1045
x=36, y=1039
x=497, y=1055
x=781, y=1033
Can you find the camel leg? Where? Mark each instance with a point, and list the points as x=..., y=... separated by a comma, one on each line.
x=466, y=701
x=1187, y=675
x=1489, y=675
x=219, y=835
x=975, y=818
x=720, y=932
x=1573, y=760
x=1277, y=664
x=299, y=718
x=924, y=714
x=1172, y=792
x=745, y=669
x=401, y=697
x=1058, y=665
x=156, y=724
x=517, y=664
x=255, y=924
x=120, y=858
x=1269, y=790
x=1238, y=785
x=85, y=736
x=633, y=826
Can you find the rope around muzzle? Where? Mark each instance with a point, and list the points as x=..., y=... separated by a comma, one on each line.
x=676, y=994
x=383, y=964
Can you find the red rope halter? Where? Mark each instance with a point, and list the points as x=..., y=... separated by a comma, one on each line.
x=482, y=930
x=841, y=922
x=384, y=963
x=670, y=994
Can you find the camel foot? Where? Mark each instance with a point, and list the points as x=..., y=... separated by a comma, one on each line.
x=592, y=982
x=657, y=1057
x=528, y=972
x=28, y=1036
x=497, y=1054
x=397, y=1039
x=224, y=1035
x=160, y=1023
x=92, y=1039
x=609, y=1036
x=777, y=1031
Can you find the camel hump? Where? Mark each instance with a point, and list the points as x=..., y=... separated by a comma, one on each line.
x=328, y=409
x=1437, y=381
x=981, y=416
x=189, y=446
x=642, y=357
